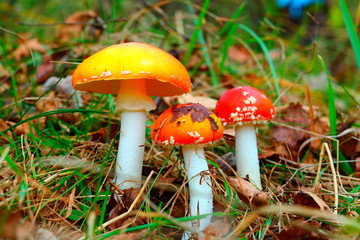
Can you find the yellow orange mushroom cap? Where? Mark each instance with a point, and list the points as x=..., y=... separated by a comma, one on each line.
x=189, y=123
x=162, y=73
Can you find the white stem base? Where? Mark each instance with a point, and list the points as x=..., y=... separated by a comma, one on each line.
x=247, y=159
x=200, y=187
x=131, y=149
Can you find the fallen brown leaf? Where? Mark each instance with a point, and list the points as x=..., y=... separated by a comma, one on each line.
x=45, y=70
x=120, y=204
x=77, y=22
x=49, y=103
x=24, y=128
x=297, y=116
x=208, y=102
x=44, y=234
x=301, y=229
x=216, y=230
x=248, y=193
x=130, y=236
x=239, y=53
x=4, y=73
x=228, y=81
x=309, y=197
x=348, y=143
x=196, y=60
x=24, y=49
x=4, y=87
x=4, y=139
x=105, y=133
x=13, y=226
x=65, y=88
x=357, y=168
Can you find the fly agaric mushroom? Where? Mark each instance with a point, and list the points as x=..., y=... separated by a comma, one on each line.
x=191, y=125
x=134, y=71
x=245, y=107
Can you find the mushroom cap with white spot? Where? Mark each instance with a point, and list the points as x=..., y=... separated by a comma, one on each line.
x=244, y=105
x=186, y=124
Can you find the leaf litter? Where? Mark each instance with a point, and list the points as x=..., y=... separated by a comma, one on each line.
x=56, y=203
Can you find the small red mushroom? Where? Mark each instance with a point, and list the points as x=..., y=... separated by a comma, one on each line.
x=245, y=107
x=191, y=126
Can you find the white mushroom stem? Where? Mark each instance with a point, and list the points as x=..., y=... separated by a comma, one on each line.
x=200, y=187
x=132, y=99
x=131, y=149
x=247, y=160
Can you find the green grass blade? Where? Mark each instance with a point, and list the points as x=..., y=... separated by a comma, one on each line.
x=332, y=116
x=197, y=29
x=198, y=35
x=227, y=43
x=14, y=166
x=229, y=28
x=228, y=25
x=267, y=55
x=354, y=39
x=331, y=100
x=4, y=154
x=214, y=77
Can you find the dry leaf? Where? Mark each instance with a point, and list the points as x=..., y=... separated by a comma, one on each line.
x=45, y=70
x=196, y=60
x=301, y=229
x=24, y=128
x=357, y=168
x=78, y=22
x=207, y=102
x=13, y=226
x=4, y=73
x=309, y=197
x=44, y=234
x=164, y=182
x=71, y=203
x=59, y=230
x=24, y=49
x=348, y=142
x=4, y=139
x=120, y=204
x=297, y=116
x=228, y=81
x=22, y=77
x=130, y=236
x=227, y=163
x=103, y=134
x=216, y=230
x=4, y=87
x=65, y=87
x=248, y=193
x=49, y=103
x=239, y=53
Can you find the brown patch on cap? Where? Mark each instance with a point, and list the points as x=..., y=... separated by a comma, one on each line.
x=197, y=112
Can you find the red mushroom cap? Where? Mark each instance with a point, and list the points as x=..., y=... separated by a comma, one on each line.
x=244, y=105
x=189, y=123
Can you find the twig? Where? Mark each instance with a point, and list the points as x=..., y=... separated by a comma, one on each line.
x=130, y=208
x=325, y=146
